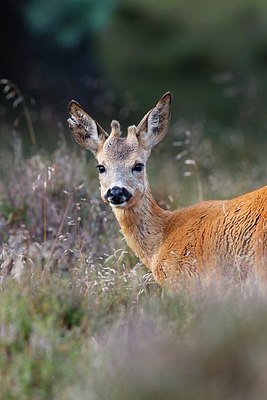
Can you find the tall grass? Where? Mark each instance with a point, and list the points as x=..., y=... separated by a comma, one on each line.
x=80, y=318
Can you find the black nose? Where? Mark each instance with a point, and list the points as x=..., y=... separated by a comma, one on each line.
x=117, y=195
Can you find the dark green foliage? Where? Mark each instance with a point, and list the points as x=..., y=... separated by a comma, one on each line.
x=212, y=55
x=68, y=22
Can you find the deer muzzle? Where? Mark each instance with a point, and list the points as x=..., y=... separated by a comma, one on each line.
x=118, y=196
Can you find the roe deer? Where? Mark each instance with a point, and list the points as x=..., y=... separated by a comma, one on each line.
x=174, y=245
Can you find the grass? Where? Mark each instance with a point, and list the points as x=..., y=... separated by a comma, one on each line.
x=81, y=318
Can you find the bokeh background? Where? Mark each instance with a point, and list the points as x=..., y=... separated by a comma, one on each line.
x=118, y=57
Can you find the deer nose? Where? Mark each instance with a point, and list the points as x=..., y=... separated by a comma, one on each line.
x=117, y=195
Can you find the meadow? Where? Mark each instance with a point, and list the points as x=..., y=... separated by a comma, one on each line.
x=81, y=318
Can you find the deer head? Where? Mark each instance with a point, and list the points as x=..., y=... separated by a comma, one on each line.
x=121, y=160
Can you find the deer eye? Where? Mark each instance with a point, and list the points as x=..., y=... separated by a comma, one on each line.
x=138, y=167
x=101, y=168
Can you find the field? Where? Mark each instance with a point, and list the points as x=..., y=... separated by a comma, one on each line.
x=80, y=317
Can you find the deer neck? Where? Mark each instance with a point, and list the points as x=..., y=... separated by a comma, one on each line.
x=143, y=226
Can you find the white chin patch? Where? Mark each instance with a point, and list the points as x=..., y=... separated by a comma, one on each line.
x=118, y=205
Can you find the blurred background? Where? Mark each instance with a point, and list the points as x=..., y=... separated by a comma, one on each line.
x=117, y=58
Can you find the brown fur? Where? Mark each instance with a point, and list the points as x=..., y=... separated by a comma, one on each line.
x=228, y=237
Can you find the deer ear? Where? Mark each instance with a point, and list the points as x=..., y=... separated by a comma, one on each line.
x=154, y=125
x=86, y=131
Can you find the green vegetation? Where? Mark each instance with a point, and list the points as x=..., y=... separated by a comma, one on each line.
x=114, y=334
x=211, y=54
x=71, y=22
